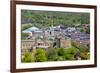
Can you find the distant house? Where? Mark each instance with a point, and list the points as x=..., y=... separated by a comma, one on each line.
x=37, y=33
x=46, y=38
x=45, y=43
x=30, y=30
x=57, y=28
x=71, y=29
x=42, y=43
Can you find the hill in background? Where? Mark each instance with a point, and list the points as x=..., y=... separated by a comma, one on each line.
x=44, y=19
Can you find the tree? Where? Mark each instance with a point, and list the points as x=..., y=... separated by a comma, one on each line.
x=81, y=47
x=27, y=57
x=40, y=55
x=43, y=19
x=61, y=51
x=70, y=53
x=85, y=55
x=88, y=31
x=24, y=35
x=52, y=54
x=69, y=57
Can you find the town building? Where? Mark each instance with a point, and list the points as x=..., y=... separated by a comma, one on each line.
x=45, y=43
x=27, y=45
x=54, y=37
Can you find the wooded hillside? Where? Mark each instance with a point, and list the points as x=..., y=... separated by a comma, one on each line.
x=44, y=19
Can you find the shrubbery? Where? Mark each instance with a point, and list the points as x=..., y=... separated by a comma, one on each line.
x=27, y=57
x=52, y=54
x=83, y=49
x=40, y=55
x=55, y=54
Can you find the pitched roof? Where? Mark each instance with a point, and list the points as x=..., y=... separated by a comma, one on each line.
x=31, y=29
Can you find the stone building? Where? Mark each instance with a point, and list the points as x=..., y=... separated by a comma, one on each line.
x=32, y=45
x=42, y=43
x=63, y=42
x=27, y=45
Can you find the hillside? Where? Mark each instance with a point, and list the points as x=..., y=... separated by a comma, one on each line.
x=44, y=19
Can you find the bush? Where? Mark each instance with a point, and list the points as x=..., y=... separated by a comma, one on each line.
x=27, y=57
x=85, y=55
x=52, y=54
x=40, y=55
x=72, y=50
x=61, y=52
x=69, y=57
x=81, y=47
x=69, y=53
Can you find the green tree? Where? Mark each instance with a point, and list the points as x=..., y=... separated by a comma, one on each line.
x=40, y=55
x=81, y=47
x=61, y=51
x=85, y=55
x=70, y=53
x=43, y=19
x=27, y=57
x=88, y=31
x=24, y=35
x=52, y=54
x=69, y=57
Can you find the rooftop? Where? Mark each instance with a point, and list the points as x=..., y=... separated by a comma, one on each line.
x=31, y=29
